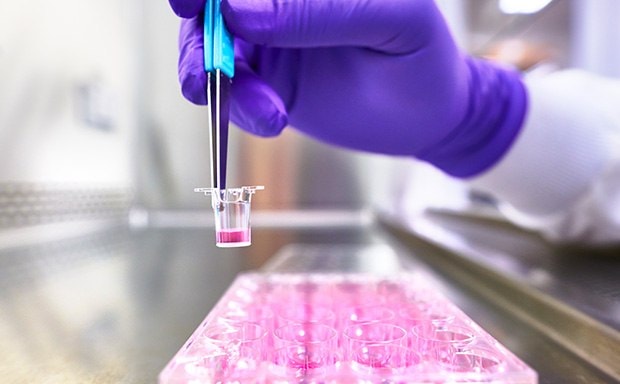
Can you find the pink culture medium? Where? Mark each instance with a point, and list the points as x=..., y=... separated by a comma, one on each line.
x=250, y=336
x=233, y=237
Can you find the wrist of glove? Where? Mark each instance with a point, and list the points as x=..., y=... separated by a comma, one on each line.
x=386, y=78
x=496, y=108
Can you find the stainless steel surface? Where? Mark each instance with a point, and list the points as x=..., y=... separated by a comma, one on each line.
x=570, y=295
x=114, y=307
x=378, y=258
x=24, y=204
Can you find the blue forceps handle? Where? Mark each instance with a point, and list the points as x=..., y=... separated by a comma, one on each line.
x=218, y=42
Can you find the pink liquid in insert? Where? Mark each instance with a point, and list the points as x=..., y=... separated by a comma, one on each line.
x=231, y=236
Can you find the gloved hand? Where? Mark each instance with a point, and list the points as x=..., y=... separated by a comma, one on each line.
x=377, y=75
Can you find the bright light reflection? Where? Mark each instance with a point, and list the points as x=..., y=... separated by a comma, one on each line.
x=522, y=6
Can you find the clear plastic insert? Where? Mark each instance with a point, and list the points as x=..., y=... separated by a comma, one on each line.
x=306, y=328
x=232, y=208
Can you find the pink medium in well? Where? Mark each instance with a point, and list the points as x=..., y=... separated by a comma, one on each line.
x=293, y=344
x=231, y=236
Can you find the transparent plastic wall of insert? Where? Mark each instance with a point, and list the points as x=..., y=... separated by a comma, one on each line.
x=231, y=208
x=340, y=328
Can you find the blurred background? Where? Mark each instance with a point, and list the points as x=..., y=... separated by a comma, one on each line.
x=95, y=134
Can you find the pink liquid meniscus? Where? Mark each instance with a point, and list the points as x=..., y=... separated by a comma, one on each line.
x=233, y=236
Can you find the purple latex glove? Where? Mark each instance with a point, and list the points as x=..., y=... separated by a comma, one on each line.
x=382, y=76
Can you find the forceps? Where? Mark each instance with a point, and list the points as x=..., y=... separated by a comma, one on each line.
x=219, y=61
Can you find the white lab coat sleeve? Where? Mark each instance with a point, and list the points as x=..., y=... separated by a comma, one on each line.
x=561, y=177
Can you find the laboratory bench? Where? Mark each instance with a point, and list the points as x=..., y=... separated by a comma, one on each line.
x=114, y=306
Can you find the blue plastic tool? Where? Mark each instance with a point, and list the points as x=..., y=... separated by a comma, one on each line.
x=218, y=42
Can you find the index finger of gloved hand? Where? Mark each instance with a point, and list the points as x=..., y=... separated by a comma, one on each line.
x=393, y=26
x=255, y=106
x=187, y=8
x=192, y=74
